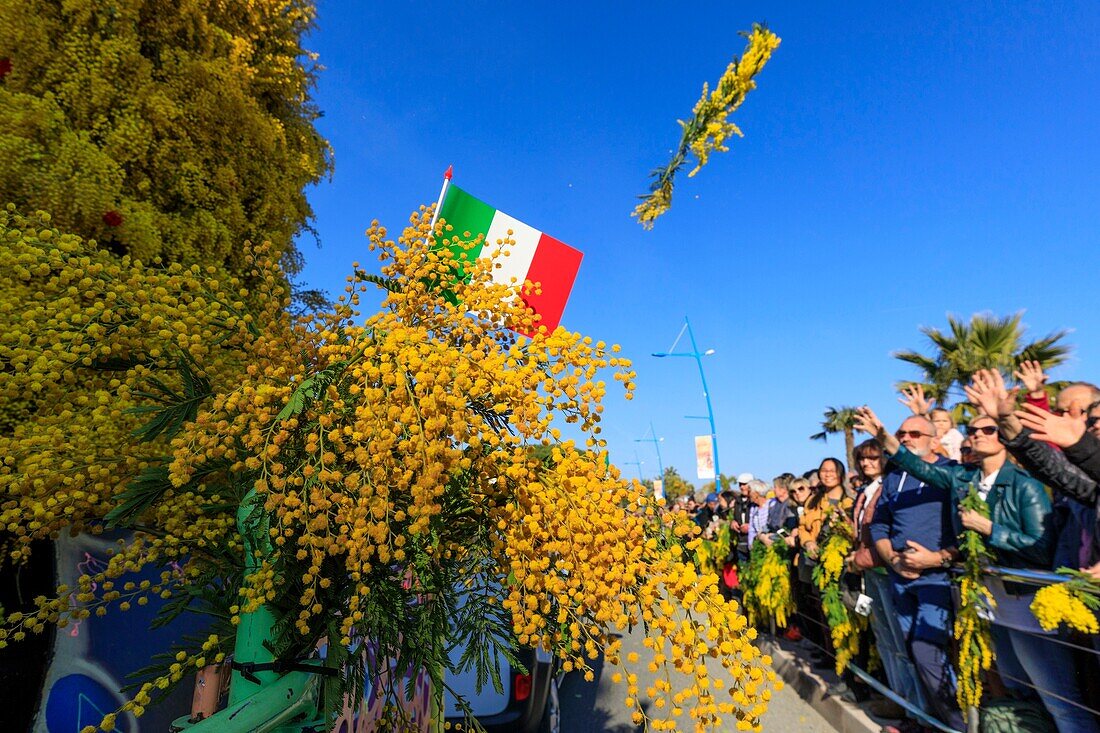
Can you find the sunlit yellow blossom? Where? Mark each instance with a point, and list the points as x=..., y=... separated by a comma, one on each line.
x=1061, y=603
x=393, y=459
x=767, y=585
x=709, y=127
x=844, y=624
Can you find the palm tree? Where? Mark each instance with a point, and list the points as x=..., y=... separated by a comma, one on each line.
x=985, y=342
x=841, y=420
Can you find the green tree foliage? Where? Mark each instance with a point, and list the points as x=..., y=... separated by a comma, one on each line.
x=726, y=481
x=985, y=341
x=170, y=128
x=676, y=485
x=840, y=420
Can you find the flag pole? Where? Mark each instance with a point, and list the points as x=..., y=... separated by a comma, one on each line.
x=442, y=192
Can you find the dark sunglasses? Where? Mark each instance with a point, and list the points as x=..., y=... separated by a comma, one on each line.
x=984, y=430
x=914, y=434
x=1090, y=421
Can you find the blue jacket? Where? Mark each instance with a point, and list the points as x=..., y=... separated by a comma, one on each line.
x=911, y=509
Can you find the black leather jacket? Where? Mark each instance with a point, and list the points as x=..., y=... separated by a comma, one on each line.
x=1085, y=454
x=1054, y=468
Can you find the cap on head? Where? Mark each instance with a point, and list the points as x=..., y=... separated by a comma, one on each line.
x=712, y=497
x=745, y=478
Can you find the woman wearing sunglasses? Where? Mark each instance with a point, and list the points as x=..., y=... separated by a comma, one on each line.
x=1023, y=434
x=1020, y=533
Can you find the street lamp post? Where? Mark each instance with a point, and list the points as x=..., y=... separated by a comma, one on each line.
x=657, y=445
x=637, y=463
x=694, y=353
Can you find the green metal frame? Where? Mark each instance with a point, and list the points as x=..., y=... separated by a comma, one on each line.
x=278, y=702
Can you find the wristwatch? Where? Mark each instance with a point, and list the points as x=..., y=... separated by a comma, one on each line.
x=945, y=559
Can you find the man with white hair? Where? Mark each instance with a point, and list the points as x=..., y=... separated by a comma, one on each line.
x=763, y=517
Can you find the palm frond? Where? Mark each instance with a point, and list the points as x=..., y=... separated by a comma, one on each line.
x=1047, y=350
x=837, y=420
x=922, y=362
x=984, y=341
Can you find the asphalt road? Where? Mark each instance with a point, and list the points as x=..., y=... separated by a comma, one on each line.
x=597, y=706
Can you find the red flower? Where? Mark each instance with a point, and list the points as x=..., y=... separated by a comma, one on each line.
x=5, y=67
x=112, y=218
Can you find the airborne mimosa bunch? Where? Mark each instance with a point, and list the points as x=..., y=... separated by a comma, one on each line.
x=409, y=467
x=709, y=127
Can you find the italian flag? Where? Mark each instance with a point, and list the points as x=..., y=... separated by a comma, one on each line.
x=535, y=256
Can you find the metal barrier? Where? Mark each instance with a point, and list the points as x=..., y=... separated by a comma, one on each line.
x=1036, y=578
x=1039, y=578
x=913, y=711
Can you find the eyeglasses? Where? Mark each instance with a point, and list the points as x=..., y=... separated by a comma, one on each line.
x=983, y=429
x=913, y=434
x=1089, y=422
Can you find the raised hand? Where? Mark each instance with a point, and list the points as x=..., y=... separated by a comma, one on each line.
x=913, y=398
x=1062, y=430
x=868, y=422
x=987, y=392
x=1031, y=376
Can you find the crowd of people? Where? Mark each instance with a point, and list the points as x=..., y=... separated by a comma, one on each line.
x=1035, y=465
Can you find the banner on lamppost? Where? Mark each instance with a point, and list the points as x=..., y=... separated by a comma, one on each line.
x=704, y=456
x=658, y=488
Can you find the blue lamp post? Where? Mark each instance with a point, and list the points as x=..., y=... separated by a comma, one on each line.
x=657, y=445
x=694, y=354
x=637, y=463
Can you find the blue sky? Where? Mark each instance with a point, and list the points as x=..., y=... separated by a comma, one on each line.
x=900, y=161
